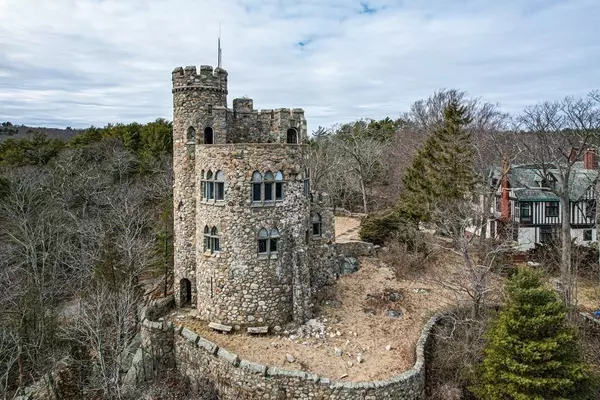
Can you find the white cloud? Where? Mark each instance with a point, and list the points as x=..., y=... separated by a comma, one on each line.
x=83, y=62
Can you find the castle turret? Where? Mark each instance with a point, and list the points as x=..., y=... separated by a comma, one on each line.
x=194, y=98
x=242, y=205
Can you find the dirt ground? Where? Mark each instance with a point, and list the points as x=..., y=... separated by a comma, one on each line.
x=352, y=317
x=346, y=229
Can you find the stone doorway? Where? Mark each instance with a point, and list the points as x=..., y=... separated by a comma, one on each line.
x=185, y=292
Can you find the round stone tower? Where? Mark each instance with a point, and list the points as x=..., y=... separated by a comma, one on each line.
x=193, y=97
x=242, y=207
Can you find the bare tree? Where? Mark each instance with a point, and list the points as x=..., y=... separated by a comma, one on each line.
x=461, y=222
x=557, y=135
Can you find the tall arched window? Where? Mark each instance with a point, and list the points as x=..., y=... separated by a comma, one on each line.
x=219, y=186
x=211, y=240
x=269, y=182
x=278, y=186
x=292, y=136
x=209, y=186
x=316, y=225
x=191, y=135
x=268, y=241
x=208, y=135
x=256, y=186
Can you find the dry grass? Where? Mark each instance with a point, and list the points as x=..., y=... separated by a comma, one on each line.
x=356, y=307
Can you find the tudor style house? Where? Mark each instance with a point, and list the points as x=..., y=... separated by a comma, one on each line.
x=527, y=208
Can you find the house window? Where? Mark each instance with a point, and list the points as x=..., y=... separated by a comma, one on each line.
x=211, y=240
x=525, y=212
x=590, y=209
x=268, y=189
x=268, y=241
x=191, y=135
x=552, y=209
x=497, y=203
x=292, y=136
x=546, y=234
x=587, y=235
x=316, y=225
x=208, y=135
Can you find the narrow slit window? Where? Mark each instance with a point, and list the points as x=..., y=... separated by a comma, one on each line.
x=316, y=225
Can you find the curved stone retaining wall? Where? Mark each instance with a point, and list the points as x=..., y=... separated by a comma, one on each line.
x=235, y=378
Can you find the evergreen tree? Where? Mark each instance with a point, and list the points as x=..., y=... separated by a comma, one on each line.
x=531, y=351
x=442, y=170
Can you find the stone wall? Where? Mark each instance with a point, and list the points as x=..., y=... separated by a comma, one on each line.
x=323, y=257
x=355, y=248
x=235, y=378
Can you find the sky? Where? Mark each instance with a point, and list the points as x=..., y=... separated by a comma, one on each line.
x=90, y=62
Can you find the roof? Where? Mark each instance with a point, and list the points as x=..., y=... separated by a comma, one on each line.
x=525, y=181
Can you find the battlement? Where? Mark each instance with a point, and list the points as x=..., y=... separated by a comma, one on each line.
x=188, y=78
x=243, y=105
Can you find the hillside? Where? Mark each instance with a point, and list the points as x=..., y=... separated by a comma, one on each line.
x=7, y=130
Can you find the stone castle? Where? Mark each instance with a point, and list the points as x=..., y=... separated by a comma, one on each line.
x=252, y=241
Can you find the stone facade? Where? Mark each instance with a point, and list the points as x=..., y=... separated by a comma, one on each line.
x=252, y=243
x=235, y=378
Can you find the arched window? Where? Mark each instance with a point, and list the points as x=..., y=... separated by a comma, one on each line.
x=268, y=241
x=191, y=135
x=213, y=185
x=219, y=186
x=208, y=135
x=292, y=136
x=316, y=225
x=268, y=184
x=256, y=186
x=211, y=240
x=268, y=189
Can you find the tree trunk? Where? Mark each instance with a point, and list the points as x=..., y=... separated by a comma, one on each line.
x=565, y=264
x=363, y=189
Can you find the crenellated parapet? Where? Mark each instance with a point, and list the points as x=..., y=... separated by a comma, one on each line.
x=188, y=79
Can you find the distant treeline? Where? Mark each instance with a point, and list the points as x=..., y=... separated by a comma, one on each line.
x=148, y=141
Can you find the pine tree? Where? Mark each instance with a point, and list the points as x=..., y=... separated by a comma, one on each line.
x=531, y=351
x=442, y=170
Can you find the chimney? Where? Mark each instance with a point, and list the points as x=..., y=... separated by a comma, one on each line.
x=590, y=159
x=505, y=192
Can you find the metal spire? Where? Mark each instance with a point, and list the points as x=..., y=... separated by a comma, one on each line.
x=220, y=61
